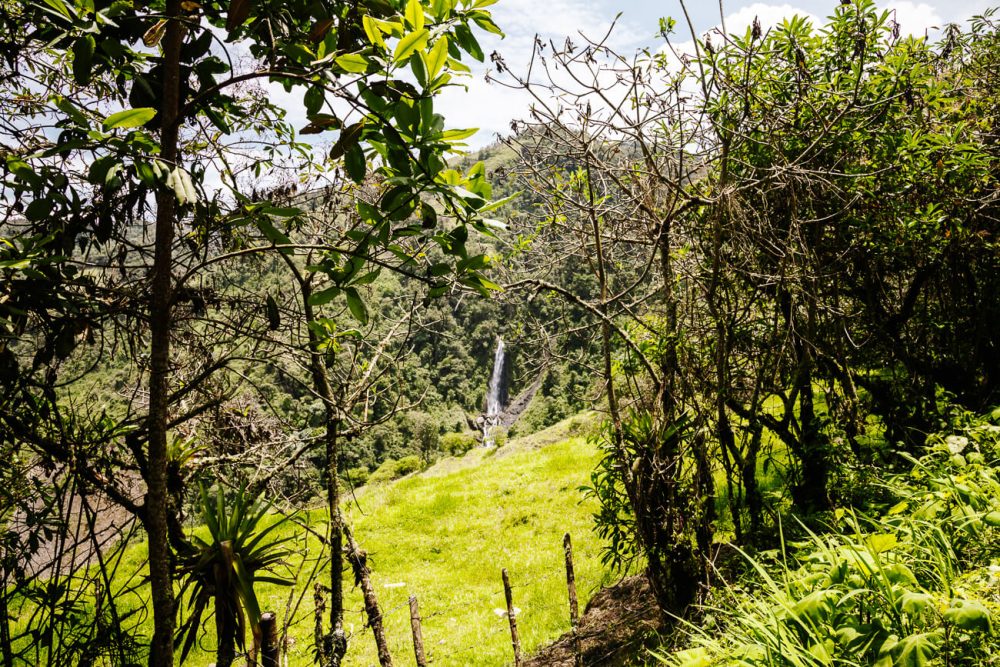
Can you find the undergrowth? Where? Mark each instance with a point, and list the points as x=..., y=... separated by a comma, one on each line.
x=910, y=583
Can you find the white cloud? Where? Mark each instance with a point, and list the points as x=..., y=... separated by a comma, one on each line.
x=768, y=15
x=915, y=19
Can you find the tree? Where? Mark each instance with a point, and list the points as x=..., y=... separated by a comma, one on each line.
x=112, y=106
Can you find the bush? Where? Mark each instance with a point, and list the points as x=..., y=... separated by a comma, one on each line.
x=913, y=586
x=392, y=469
x=457, y=444
x=356, y=476
x=408, y=465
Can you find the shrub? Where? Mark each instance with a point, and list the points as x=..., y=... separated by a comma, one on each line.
x=356, y=476
x=384, y=473
x=909, y=588
x=457, y=444
x=392, y=469
x=408, y=465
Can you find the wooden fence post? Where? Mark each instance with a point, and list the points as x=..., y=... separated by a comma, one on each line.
x=574, y=606
x=270, y=653
x=418, y=635
x=514, y=640
x=359, y=563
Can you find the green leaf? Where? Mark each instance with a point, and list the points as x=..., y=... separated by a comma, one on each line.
x=83, y=57
x=282, y=211
x=484, y=21
x=324, y=296
x=437, y=57
x=442, y=8
x=419, y=69
x=273, y=234
x=372, y=31
x=368, y=212
x=354, y=163
x=354, y=63
x=693, y=657
x=313, y=100
x=881, y=542
x=899, y=573
x=970, y=615
x=468, y=41
x=129, y=118
x=410, y=43
x=39, y=209
x=428, y=216
x=914, y=603
x=356, y=305
x=60, y=7
x=817, y=606
x=398, y=202
x=368, y=278
x=916, y=650
x=414, y=14
x=457, y=135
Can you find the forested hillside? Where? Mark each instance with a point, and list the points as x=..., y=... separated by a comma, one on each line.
x=752, y=275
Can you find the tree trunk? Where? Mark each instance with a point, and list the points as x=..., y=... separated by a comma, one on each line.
x=161, y=287
x=812, y=494
x=335, y=644
x=5, y=644
x=750, y=487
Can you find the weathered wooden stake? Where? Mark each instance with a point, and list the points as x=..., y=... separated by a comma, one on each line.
x=323, y=645
x=514, y=640
x=574, y=606
x=270, y=653
x=418, y=635
x=574, y=609
x=362, y=577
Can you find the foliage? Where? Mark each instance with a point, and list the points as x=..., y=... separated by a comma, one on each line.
x=445, y=534
x=392, y=469
x=798, y=256
x=121, y=117
x=457, y=444
x=905, y=588
x=614, y=522
x=224, y=569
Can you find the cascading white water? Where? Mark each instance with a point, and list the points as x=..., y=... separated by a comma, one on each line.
x=494, y=397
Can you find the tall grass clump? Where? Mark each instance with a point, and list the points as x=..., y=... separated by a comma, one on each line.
x=915, y=582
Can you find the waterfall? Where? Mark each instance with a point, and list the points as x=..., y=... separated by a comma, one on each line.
x=494, y=396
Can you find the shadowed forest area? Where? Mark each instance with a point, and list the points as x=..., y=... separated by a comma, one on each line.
x=703, y=355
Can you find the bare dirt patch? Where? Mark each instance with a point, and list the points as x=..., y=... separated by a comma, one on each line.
x=618, y=623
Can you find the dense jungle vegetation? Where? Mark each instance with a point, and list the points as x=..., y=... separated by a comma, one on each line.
x=767, y=261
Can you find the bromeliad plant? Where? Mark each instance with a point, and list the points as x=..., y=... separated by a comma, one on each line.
x=222, y=571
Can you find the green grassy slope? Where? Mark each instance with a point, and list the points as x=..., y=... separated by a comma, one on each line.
x=444, y=535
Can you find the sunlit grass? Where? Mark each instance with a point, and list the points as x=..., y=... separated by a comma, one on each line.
x=444, y=536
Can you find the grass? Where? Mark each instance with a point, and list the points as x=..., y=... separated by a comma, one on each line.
x=442, y=535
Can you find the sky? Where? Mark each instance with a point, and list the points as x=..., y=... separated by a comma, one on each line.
x=491, y=107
